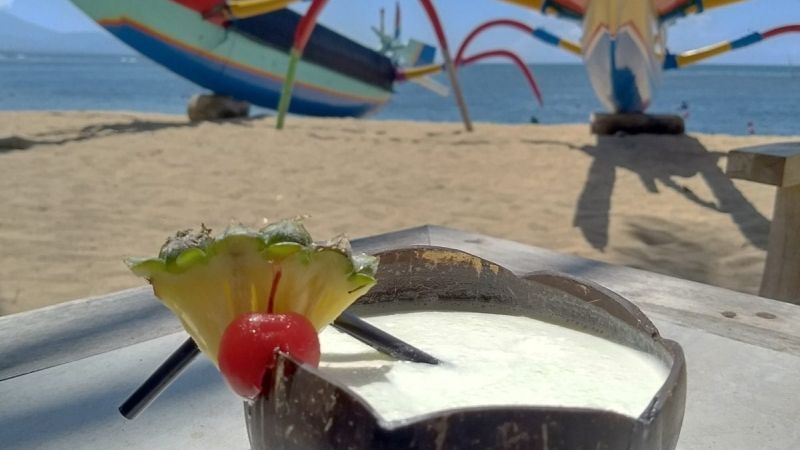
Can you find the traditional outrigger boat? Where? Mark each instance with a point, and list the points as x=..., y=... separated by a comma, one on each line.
x=247, y=58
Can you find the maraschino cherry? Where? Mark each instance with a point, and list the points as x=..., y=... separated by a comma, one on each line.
x=247, y=351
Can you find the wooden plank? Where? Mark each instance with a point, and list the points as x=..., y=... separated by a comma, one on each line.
x=47, y=337
x=737, y=394
x=773, y=164
x=74, y=405
x=743, y=317
x=781, y=278
x=739, y=398
x=777, y=165
x=51, y=336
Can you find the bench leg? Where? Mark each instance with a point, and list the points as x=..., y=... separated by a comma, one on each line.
x=782, y=272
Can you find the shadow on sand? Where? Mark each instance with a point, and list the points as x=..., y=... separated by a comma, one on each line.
x=58, y=137
x=660, y=160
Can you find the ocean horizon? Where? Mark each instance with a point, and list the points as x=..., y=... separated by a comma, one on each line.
x=726, y=99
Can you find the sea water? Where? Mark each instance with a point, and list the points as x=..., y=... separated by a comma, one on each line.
x=491, y=360
x=720, y=99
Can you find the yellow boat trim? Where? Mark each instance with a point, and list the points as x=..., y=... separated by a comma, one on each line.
x=242, y=9
x=572, y=47
x=694, y=56
x=421, y=71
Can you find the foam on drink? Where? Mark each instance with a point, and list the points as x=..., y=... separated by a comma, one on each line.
x=491, y=360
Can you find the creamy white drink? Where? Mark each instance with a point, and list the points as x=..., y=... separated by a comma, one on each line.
x=491, y=359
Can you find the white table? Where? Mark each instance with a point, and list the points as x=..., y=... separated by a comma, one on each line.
x=65, y=369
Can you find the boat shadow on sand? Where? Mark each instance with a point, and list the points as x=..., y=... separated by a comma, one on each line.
x=134, y=126
x=661, y=160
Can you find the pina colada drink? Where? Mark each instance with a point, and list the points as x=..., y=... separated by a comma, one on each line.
x=491, y=360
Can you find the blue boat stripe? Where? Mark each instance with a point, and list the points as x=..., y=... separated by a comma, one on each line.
x=427, y=55
x=623, y=85
x=238, y=83
x=747, y=40
x=670, y=61
x=699, y=5
x=546, y=37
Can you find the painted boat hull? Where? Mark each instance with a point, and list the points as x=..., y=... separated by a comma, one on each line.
x=230, y=62
x=623, y=53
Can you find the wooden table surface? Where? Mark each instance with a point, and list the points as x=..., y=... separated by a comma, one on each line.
x=65, y=369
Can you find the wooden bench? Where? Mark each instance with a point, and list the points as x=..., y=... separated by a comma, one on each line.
x=776, y=165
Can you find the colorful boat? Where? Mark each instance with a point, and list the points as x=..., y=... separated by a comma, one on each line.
x=247, y=58
x=623, y=44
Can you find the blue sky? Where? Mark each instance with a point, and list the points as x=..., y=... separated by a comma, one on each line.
x=721, y=24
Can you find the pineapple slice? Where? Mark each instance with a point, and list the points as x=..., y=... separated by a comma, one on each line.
x=207, y=282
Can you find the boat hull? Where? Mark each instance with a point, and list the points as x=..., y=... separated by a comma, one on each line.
x=231, y=63
x=623, y=53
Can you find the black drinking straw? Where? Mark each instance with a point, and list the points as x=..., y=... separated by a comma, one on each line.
x=348, y=323
x=381, y=340
x=164, y=375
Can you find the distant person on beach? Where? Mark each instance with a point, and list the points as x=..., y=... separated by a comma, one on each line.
x=684, y=109
x=751, y=129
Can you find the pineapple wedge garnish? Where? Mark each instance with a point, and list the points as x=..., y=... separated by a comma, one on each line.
x=207, y=282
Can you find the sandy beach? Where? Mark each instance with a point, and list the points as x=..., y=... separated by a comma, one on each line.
x=94, y=188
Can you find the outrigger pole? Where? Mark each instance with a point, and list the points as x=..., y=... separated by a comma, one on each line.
x=448, y=62
x=303, y=33
x=676, y=61
x=461, y=60
x=301, y=37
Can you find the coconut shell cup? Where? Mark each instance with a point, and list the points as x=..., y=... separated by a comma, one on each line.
x=303, y=410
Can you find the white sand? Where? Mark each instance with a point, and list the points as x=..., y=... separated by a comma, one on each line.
x=99, y=187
